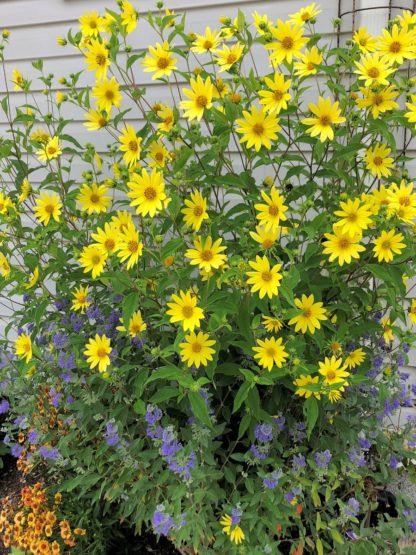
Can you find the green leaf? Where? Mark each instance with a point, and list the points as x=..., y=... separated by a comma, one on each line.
x=311, y=411
x=388, y=274
x=242, y=395
x=164, y=394
x=199, y=408
x=336, y=536
x=319, y=546
x=130, y=304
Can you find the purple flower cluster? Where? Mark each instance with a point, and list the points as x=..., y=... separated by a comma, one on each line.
x=356, y=457
x=322, y=459
x=4, y=406
x=292, y=495
x=298, y=462
x=410, y=515
x=272, y=480
x=352, y=508
x=49, y=453
x=163, y=523
x=111, y=435
x=263, y=433
x=297, y=433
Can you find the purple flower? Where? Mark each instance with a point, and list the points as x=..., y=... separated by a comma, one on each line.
x=16, y=450
x=272, y=481
x=298, y=462
x=394, y=463
x=279, y=422
x=352, y=508
x=162, y=522
x=4, y=406
x=406, y=347
x=291, y=496
x=153, y=414
x=20, y=421
x=111, y=434
x=60, y=340
x=364, y=443
x=378, y=362
x=260, y=452
x=66, y=377
x=93, y=312
x=263, y=433
x=323, y=458
x=33, y=437
x=356, y=457
x=410, y=515
x=235, y=516
x=48, y=453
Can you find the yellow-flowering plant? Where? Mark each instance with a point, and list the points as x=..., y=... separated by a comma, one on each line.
x=219, y=299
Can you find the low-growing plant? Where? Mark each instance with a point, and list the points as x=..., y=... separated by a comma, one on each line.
x=211, y=312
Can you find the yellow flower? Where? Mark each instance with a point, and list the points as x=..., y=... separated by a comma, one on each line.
x=333, y=370
x=166, y=115
x=128, y=16
x=33, y=279
x=258, y=128
x=407, y=18
x=208, y=42
x=310, y=315
x=273, y=212
x=355, y=358
x=96, y=120
x=207, y=254
x=402, y=201
x=48, y=205
x=365, y=41
x=171, y=13
x=183, y=309
x=197, y=349
x=266, y=238
x=373, y=69
x=412, y=312
x=308, y=62
x=305, y=14
x=60, y=97
x=303, y=381
x=397, y=45
x=272, y=324
x=23, y=347
x=93, y=260
x=200, y=98
x=107, y=93
x=51, y=150
x=379, y=101
x=196, y=211
x=97, y=59
x=387, y=329
x=17, y=80
x=228, y=56
x=24, y=191
x=40, y=136
x=289, y=42
x=158, y=154
x=91, y=24
x=130, y=145
x=97, y=350
x=270, y=352
x=4, y=266
x=92, y=198
x=122, y=221
x=327, y=115
x=277, y=97
x=377, y=160
x=147, y=192
x=129, y=246
x=159, y=60
x=264, y=279
x=5, y=203
x=234, y=532
x=106, y=238
x=411, y=114
x=388, y=243
x=354, y=217
x=136, y=324
x=262, y=23
x=335, y=394
x=342, y=246
x=80, y=300
x=221, y=90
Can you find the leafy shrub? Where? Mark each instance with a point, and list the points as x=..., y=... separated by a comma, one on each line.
x=210, y=316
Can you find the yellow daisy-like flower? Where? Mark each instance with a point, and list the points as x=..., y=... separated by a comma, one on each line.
x=271, y=324
x=196, y=211
x=411, y=114
x=407, y=18
x=234, y=532
x=17, y=80
x=208, y=42
x=386, y=324
x=412, y=312
x=91, y=24
x=378, y=161
x=5, y=203
x=355, y=358
x=97, y=351
x=183, y=309
x=270, y=352
x=354, y=217
x=4, y=266
x=266, y=238
x=106, y=238
x=93, y=259
x=40, y=136
x=305, y=380
x=136, y=325
x=160, y=61
x=197, y=349
x=107, y=94
x=23, y=347
x=24, y=191
x=165, y=113
x=273, y=212
x=308, y=62
x=373, y=69
x=327, y=115
x=129, y=246
x=208, y=255
x=262, y=23
x=276, y=98
x=333, y=370
x=335, y=395
x=402, y=201
x=304, y=15
x=51, y=150
x=80, y=300
x=378, y=198
x=397, y=44
x=258, y=128
x=147, y=192
x=289, y=42
x=158, y=154
x=378, y=100
x=264, y=278
x=366, y=42
x=97, y=58
x=200, y=98
x=33, y=279
x=122, y=221
x=128, y=16
x=388, y=243
x=221, y=90
x=342, y=246
x=228, y=56
x=310, y=316
x=48, y=205
x=130, y=145
x=92, y=198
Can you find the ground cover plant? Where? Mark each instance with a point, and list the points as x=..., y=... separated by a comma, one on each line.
x=210, y=311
